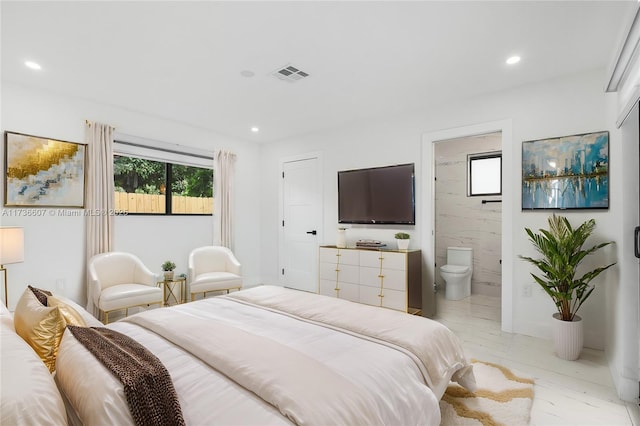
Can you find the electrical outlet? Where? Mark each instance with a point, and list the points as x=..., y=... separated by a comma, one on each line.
x=60, y=284
x=526, y=290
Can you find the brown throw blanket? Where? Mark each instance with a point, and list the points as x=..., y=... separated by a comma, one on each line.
x=147, y=384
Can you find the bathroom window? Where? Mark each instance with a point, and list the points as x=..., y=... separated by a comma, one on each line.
x=485, y=174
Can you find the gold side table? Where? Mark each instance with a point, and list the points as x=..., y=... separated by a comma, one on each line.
x=169, y=287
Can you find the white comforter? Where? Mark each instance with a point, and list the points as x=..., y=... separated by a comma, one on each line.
x=233, y=362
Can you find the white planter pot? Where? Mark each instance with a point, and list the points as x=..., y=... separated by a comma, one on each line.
x=568, y=337
x=341, y=242
x=168, y=275
x=403, y=244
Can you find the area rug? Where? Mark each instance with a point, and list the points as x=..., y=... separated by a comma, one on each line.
x=502, y=398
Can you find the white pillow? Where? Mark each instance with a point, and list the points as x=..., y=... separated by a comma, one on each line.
x=28, y=395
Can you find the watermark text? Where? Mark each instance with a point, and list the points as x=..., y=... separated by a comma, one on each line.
x=50, y=212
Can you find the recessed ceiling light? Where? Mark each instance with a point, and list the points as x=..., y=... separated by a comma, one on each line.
x=247, y=73
x=254, y=129
x=513, y=60
x=33, y=65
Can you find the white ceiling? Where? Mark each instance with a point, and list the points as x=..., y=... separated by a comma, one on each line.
x=182, y=60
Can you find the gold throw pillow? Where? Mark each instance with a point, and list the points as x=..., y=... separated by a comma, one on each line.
x=40, y=326
x=70, y=315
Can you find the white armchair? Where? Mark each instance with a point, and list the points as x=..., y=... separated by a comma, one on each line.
x=213, y=268
x=121, y=281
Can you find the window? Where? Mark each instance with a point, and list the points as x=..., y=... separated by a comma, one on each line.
x=146, y=183
x=485, y=174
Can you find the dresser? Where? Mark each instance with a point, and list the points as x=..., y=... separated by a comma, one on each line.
x=378, y=277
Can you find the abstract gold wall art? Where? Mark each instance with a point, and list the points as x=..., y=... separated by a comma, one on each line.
x=43, y=172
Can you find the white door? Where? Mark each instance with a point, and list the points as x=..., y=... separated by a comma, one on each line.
x=301, y=210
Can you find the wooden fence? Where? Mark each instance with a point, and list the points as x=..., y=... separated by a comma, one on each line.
x=152, y=203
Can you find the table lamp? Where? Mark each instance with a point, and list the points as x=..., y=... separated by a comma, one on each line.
x=11, y=251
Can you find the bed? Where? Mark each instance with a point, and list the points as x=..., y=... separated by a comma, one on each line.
x=271, y=356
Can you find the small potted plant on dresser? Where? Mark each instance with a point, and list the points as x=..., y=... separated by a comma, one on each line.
x=168, y=267
x=402, y=239
x=562, y=252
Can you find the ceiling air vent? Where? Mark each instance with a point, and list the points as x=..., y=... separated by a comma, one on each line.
x=289, y=73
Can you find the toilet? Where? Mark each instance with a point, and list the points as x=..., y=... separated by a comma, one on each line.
x=457, y=272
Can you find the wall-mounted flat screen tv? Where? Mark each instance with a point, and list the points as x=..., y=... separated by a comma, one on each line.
x=379, y=195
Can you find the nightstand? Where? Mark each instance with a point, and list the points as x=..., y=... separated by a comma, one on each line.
x=169, y=288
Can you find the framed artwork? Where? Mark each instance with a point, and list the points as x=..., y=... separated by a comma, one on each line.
x=43, y=172
x=569, y=172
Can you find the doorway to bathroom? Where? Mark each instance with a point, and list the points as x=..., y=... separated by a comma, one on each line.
x=468, y=219
x=428, y=231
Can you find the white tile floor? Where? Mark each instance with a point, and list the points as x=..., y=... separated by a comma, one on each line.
x=566, y=392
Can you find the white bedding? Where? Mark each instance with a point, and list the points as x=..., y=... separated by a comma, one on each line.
x=390, y=383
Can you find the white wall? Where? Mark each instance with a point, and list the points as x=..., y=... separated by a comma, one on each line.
x=571, y=105
x=348, y=148
x=54, y=245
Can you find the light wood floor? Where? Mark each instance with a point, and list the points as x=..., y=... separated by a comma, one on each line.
x=566, y=392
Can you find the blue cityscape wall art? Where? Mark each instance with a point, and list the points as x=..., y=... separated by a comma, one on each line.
x=569, y=172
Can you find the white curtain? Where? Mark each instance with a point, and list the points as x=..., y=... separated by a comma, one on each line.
x=99, y=196
x=224, y=180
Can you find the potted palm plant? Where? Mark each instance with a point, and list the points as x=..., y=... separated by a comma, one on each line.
x=562, y=252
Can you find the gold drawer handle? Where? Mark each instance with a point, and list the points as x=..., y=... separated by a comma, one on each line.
x=380, y=276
